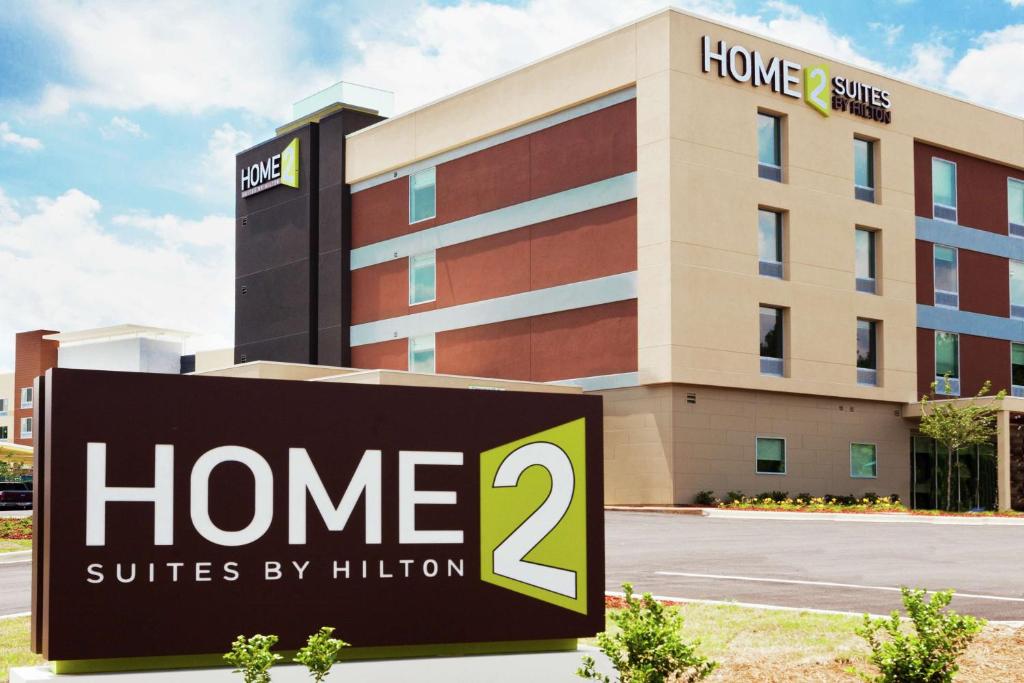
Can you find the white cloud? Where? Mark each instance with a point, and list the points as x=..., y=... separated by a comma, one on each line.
x=438, y=50
x=9, y=138
x=990, y=73
x=215, y=173
x=890, y=32
x=928, y=66
x=65, y=269
x=121, y=124
x=186, y=56
x=1015, y=3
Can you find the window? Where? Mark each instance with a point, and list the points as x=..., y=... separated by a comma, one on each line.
x=1015, y=206
x=769, y=243
x=26, y=428
x=863, y=462
x=422, y=199
x=1017, y=368
x=771, y=341
x=3, y=406
x=421, y=353
x=947, y=362
x=867, y=352
x=864, y=269
x=26, y=397
x=947, y=280
x=769, y=147
x=3, y=433
x=422, y=278
x=864, y=170
x=943, y=189
x=771, y=455
x=1017, y=289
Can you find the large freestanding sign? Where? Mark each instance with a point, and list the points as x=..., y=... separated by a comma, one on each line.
x=178, y=512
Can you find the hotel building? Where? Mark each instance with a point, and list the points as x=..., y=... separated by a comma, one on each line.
x=760, y=257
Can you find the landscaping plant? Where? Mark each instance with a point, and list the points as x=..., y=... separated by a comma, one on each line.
x=252, y=657
x=705, y=498
x=648, y=646
x=320, y=653
x=929, y=653
x=958, y=425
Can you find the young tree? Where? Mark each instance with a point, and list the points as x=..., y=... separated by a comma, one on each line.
x=958, y=425
x=320, y=653
x=252, y=657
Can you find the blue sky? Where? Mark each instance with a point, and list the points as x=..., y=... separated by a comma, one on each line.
x=119, y=121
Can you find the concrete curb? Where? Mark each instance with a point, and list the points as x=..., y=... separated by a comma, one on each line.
x=887, y=517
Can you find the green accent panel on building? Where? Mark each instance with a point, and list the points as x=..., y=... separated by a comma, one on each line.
x=89, y=666
x=818, y=88
x=505, y=510
x=290, y=164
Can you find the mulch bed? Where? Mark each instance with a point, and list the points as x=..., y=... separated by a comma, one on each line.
x=16, y=528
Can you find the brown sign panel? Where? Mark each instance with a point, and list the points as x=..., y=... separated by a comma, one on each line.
x=181, y=511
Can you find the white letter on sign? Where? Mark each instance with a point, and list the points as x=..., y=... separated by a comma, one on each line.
x=264, y=508
x=303, y=477
x=409, y=497
x=98, y=494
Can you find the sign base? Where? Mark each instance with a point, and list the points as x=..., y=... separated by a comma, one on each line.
x=543, y=667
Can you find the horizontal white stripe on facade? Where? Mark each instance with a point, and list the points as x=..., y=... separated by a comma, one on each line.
x=602, y=290
x=565, y=203
x=494, y=140
x=619, y=380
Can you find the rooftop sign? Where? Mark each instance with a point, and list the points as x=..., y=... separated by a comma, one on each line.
x=279, y=169
x=205, y=507
x=819, y=90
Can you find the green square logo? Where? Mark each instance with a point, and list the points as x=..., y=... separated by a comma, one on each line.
x=290, y=164
x=818, y=88
x=533, y=525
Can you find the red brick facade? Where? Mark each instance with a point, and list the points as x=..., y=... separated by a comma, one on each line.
x=33, y=356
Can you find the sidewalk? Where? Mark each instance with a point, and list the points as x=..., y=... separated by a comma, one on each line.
x=881, y=517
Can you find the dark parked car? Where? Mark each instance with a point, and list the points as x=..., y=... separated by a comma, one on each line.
x=15, y=495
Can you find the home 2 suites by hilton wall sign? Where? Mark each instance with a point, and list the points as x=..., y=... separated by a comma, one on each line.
x=277, y=169
x=784, y=77
x=180, y=511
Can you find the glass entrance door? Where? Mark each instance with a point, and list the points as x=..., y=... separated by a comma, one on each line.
x=971, y=486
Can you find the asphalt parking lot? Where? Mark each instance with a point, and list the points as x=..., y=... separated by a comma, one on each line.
x=842, y=566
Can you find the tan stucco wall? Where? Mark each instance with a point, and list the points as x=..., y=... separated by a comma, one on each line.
x=214, y=359
x=7, y=392
x=661, y=449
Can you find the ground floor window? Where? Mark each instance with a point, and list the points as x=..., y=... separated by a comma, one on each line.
x=863, y=462
x=967, y=481
x=771, y=455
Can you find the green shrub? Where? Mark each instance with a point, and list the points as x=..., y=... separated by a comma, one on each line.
x=705, y=498
x=320, y=653
x=649, y=647
x=928, y=654
x=871, y=496
x=252, y=657
x=734, y=496
x=803, y=498
x=894, y=498
x=777, y=496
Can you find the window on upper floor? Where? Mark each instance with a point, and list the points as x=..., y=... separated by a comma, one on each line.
x=1015, y=206
x=947, y=278
x=769, y=243
x=865, y=269
x=421, y=353
x=769, y=147
x=770, y=457
x=771, y=342
x=943, y=189
x=864, y=170
x=422, y=195
x=26, y=397
x=26, y=428
x=947, y=363
x=1017, y=368
x=1017, y=289
x=867, y=352
x=863, y=461
x=422, y=278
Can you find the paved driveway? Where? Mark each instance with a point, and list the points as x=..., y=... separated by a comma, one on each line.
x=846, y=566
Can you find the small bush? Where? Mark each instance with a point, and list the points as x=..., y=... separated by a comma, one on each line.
x=929, y=653
x=871, y=496
x=252, y=657
x=320, y=653
x=734, y=496
x=803, y=498
x=775, y=496
x=705, y=498
x=649, y=647
x=894, y=498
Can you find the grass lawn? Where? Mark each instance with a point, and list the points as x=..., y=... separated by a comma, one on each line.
x=782, y=646
x=10, y=545
x=14, y=645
